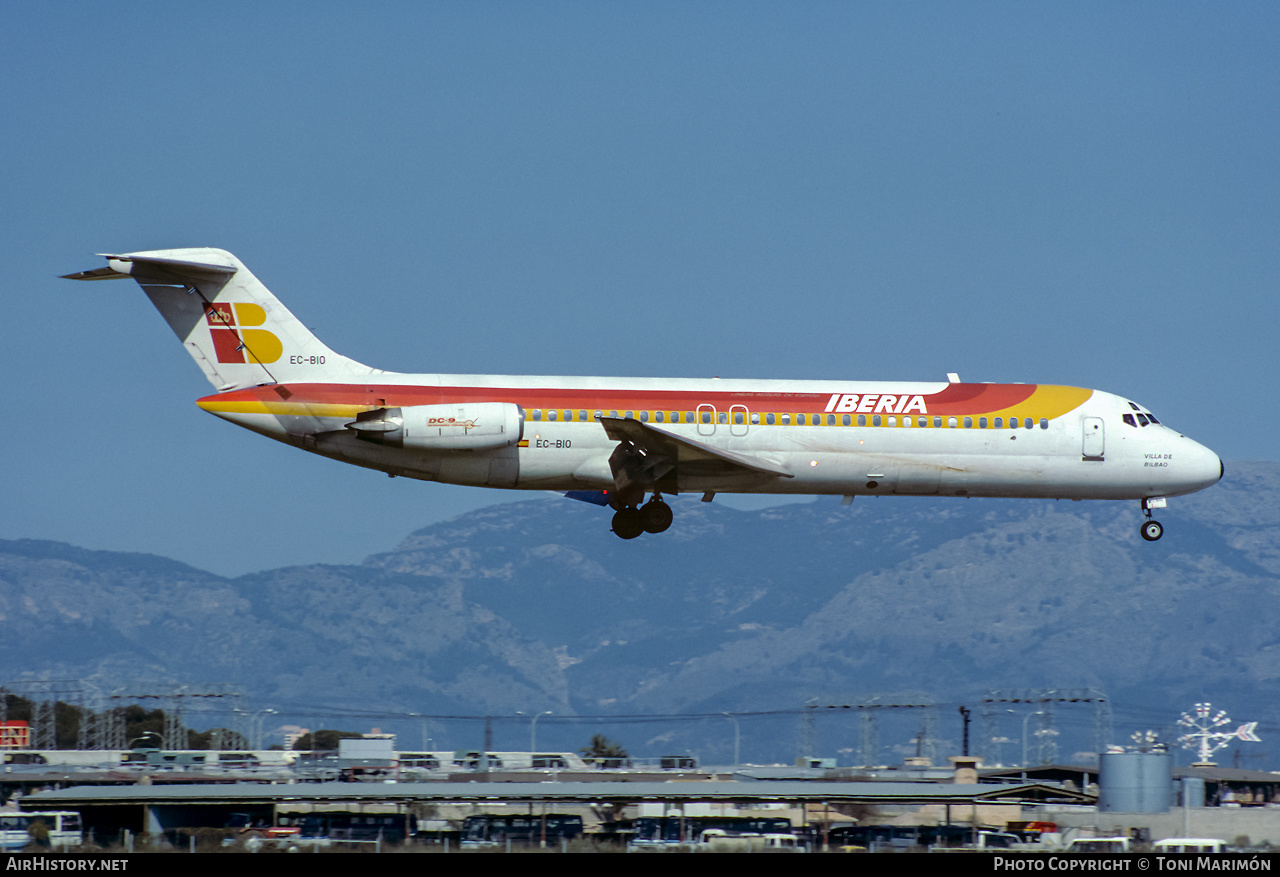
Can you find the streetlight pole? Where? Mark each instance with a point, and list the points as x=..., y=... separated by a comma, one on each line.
x=533, y=731
x=1024, y=735
x=255, y=727
x=737, y=738
x=143, y=737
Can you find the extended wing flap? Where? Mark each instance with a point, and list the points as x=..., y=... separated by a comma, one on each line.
x=681, y=450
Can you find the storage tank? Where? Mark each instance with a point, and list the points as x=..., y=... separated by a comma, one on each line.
x=1135, y=782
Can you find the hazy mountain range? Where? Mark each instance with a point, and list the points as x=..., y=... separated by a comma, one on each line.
x=536, y=606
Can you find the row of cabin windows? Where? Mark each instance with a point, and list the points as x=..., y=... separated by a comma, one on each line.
x=739, y=418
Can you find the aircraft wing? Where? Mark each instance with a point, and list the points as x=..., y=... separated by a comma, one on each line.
x=687, y=453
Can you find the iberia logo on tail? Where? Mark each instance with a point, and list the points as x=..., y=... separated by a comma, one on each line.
x=232, y=341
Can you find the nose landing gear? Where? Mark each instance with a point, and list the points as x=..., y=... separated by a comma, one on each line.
x=1151, y=530
x=655, y=516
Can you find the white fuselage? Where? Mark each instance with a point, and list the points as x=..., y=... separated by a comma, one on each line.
x=563, y=445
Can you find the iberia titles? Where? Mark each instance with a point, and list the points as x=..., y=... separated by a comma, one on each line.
x=875, y=403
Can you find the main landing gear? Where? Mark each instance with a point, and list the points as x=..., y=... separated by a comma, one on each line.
x=1151, y=529
x=652, y=517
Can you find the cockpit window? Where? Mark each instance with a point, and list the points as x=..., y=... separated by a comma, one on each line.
x=1134, y=407
x=1142, y=419
x=1152, y=418
x=1128, y=418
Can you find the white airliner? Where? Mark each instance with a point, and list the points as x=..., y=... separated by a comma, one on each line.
x=616, y=441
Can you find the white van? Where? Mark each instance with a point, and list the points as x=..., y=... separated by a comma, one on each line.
x=1189, y=845
x=1098, y=845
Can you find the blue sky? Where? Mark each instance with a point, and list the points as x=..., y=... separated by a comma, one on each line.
x=1075, y=193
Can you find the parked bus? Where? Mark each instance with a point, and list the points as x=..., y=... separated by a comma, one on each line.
x=491, y=830
x=56, y=828
x=666, y=832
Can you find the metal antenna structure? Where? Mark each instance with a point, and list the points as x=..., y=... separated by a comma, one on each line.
x=176, y=701
x=868, y=710
x=1206, y=735
x=44, y=695
x=1044, y=699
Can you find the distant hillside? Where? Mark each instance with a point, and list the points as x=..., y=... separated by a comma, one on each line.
x=535, y=606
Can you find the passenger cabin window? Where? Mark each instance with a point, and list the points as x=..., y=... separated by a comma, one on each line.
x=723, y=417
x=688, y=417
x=599, y=414
x=937, y=422
x=755, y=418
x=768, y=418
x=1044, y=423
x=875, y=419
x=551, y=415
x=831, y=420
x=999, y=423
x=582, y=415
x=644, y=416
x=862, y=420
x=1028, y=423
x=982, y=423
x=845, y=420
x=706, y=416
x=786, y=419
x=630, y=415
x=800, y=419
x=537, y=415
x=568, y=415
x=951, y=422
x=892, y=421
x=738, y=418
x=968, y=423
x=657, y=417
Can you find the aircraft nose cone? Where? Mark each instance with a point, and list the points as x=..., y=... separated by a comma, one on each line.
x=1207, y=468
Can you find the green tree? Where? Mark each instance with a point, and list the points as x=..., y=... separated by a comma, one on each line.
x=206, y=739
x=604, y=751
x=324, y=740
x=140, y=723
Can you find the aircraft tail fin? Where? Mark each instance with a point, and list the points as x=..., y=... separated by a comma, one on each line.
x=234, y=328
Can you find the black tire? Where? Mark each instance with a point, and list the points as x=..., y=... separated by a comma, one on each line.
x=628, y=523
x=1151, y=530
x=657, y=516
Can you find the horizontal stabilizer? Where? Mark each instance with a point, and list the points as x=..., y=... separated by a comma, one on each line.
x=143, y=266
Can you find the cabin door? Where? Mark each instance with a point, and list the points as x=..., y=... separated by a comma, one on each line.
x=1094, y=438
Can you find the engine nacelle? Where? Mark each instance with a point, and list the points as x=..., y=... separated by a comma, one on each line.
x=473, y=426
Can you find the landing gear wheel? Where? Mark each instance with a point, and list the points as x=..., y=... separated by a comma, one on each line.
x=1151, y=531
x=657, y=515
x=628, y=523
